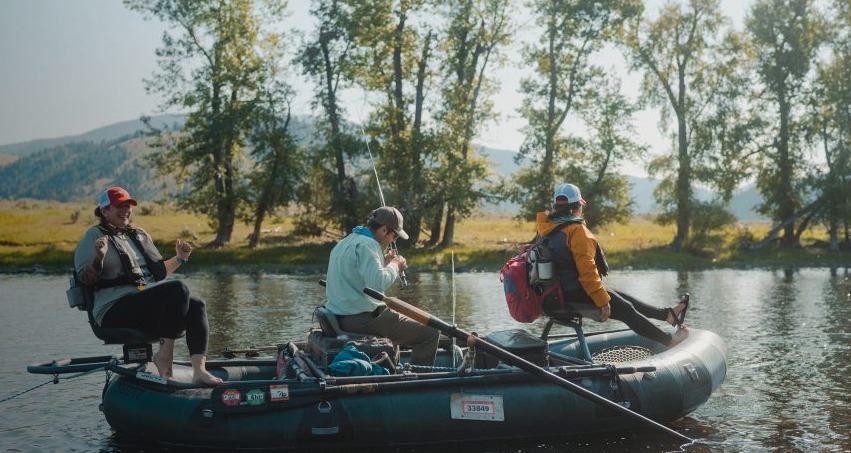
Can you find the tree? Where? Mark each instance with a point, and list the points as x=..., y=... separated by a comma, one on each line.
x=680, y=55
x=213, y=67
x=786, y=35
x=391, y=60
x=277, y=159
x=477, y=30
x=831, y=107
x=324, y=58
x=596, y=160
x=572, y=32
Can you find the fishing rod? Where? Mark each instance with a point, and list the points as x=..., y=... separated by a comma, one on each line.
x=402, y=277
x=453, y=306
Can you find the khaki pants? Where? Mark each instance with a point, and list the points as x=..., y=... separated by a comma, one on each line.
x=401, y=330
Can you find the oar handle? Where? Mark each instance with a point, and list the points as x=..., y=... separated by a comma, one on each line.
x=402, y=307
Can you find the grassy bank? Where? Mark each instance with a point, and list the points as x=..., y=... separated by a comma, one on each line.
x=38, y=235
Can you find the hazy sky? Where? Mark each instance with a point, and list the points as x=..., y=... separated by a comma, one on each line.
x=70, y=66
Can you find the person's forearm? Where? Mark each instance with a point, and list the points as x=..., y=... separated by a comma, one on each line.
x=172, y=264
x=90, y=273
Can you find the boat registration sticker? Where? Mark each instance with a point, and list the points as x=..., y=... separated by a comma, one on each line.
x=477, y=407
x=279, y=392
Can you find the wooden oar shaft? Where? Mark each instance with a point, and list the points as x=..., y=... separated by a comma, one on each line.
x=424, y=317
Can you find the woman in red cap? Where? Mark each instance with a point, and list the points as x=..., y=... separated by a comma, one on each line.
x=126, y=271
x=579, y=265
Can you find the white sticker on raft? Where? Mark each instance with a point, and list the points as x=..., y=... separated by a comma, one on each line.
x=477, y=407
x=279, y=392
x=151, y=377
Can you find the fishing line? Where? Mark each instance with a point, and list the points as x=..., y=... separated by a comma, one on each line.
x=453, y=307
x=55, y=380
x=402, y=277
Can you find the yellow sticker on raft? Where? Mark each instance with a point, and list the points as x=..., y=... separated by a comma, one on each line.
x=477, y=407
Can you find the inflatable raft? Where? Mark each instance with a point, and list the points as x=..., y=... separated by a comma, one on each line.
x=290, y=401
x=506, y=385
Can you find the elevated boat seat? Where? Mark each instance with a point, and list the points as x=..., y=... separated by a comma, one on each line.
x=330, y=325
x=569, y=315
x=324, y=343
x=136, y=344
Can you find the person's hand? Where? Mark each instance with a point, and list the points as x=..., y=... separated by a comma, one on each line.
x=401, y=262
x=605, y=312
x=183, y=249
x=101, y=245
x=389, y=254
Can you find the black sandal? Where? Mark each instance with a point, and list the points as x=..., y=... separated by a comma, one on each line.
x=679, y=320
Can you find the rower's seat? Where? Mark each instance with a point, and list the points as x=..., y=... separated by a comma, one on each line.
x=330, y=325
x=569, y=315
x=136, y=344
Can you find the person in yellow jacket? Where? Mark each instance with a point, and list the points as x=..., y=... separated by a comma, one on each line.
x=579, y=265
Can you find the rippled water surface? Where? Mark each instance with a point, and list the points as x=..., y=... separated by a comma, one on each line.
x=787, y=388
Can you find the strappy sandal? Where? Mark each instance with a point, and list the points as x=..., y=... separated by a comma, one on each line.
x=680, y=319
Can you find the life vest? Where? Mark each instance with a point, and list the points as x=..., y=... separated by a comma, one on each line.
x=564, y=263
x=132, y=273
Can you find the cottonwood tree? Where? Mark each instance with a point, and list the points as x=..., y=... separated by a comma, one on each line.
x=831, y=125
x=277, y=158
x=211, y=65
x=694, y=80
x=786, y=35
x=391, y=60
x=596, y=157
x=324, y=58
x=571, y=32
x=470, y=49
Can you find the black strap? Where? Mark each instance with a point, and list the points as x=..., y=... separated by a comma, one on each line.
x=557, y=228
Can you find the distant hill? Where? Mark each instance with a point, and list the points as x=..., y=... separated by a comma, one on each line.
x=106, y=133
x=76, y=168
x=78, y=171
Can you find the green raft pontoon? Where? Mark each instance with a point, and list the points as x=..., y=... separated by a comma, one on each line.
x=289, y=400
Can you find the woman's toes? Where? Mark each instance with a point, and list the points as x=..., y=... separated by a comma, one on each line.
x=206, y=378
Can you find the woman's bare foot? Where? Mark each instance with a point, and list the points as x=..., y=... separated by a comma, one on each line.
x=678, y=336
x=163, y=364
x=204, y=377
x=674, y=312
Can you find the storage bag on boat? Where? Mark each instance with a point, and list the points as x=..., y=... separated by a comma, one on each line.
x=79, y=295
x=352, y=362
x=518, y=342
x=523, y=299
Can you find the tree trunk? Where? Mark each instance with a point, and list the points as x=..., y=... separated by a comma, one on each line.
x=786, y=199
x=435, y=226
x=258, y=223
x=449, y=230
x=683, y=190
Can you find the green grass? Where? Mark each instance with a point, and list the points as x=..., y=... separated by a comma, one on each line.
x=42, y=235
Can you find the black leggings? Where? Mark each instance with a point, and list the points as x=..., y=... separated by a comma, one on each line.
x=166, y=309
x=631, y=312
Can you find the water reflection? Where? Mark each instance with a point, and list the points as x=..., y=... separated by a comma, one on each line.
x=787, y=388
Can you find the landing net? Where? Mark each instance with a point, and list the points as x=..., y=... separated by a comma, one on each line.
x=620, y=354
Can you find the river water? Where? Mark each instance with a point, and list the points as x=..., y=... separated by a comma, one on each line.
x=788, y=386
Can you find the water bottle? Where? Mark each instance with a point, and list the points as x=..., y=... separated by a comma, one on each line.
x=544, y=261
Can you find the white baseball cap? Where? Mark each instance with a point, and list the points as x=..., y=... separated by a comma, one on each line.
x=569, y=193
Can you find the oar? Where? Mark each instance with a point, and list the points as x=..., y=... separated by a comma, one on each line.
x=425, y=318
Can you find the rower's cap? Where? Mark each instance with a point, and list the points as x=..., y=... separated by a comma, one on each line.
x=115, y=196
x=391, y=218
x=568, y=193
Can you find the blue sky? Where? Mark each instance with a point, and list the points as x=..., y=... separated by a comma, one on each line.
x=70, y=66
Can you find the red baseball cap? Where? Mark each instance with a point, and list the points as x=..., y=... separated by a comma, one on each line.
x=115, y=196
